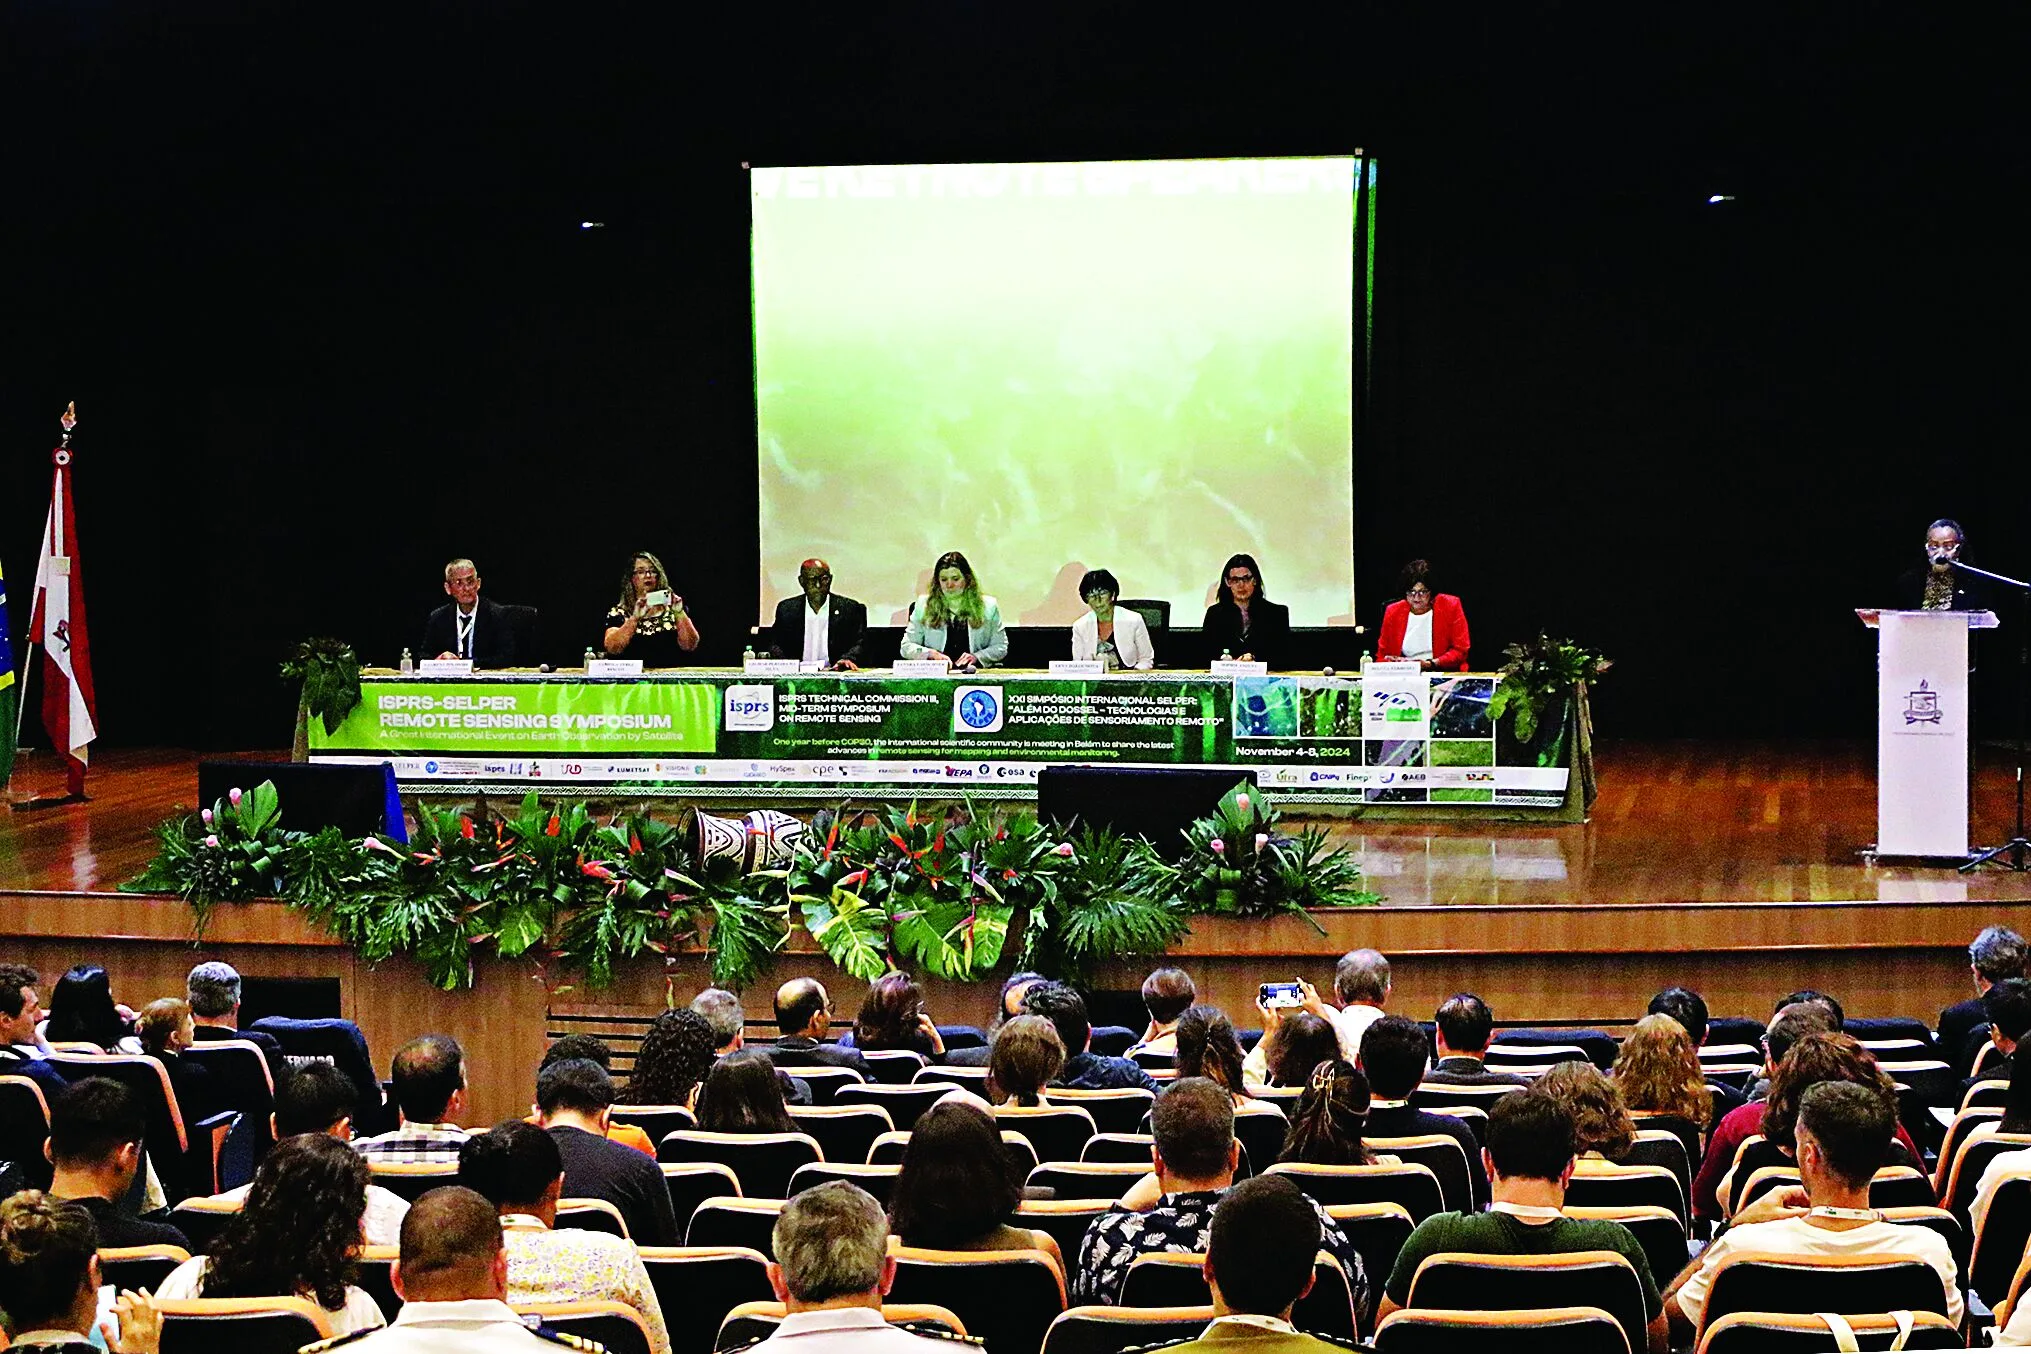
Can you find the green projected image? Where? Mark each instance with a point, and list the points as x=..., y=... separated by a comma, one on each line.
x=1142, y=366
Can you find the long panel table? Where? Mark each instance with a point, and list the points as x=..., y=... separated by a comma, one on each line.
x=727, y=734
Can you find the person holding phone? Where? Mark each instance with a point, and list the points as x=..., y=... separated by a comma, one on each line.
x=649, y=622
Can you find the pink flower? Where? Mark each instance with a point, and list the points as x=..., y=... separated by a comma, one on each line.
x=1219, y=847
x=372, y=843
x=234, y=795
x=1065, y=849
x=206, y=814
x=1241, y=802
x=211, y=841
x=1261, y=840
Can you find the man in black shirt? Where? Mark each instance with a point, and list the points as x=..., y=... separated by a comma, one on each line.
x=1466, y=1026
x=803, y=1013
x=95, y=1131
x=213, y=990
x=1084, y=1070
x=1997, y=953
x=574, y=1101
x=1393, y=1051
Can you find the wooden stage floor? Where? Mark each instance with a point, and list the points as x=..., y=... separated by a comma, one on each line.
x=1677, y=822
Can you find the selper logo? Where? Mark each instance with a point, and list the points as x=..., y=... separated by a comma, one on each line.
x=1396, y=707
x=976, y=709
x=750, y=709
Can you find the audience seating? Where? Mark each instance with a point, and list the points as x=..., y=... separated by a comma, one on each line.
x=1115, y=1330
x=1975, y=1154
x=1604, y=1184
x=1284, y=1098
x=1597, y=1046
x=655, y=1121
x=242, y=1325
x=1154, y=1062
x=412, y=1179
x=762, y=1162
x=2018, y=1286
x=888, y=1150
x=1473, y=1116
x=139, y=1267
x=1736, y=1030
x=2002, y=1240
x=1986, y=1055
x=185, y=1155
x=239, y=1074
x=1456, y=1281
x=843, y=1132
x=894, y=1066
x=957, y=1037
x=753, y=1321
x=904, y=1103
x=1015, y=1294
x=693, y=1182
x=201, y=1221
x=1891, y=1187
x=1786, y=1333
x=1441, y=1155
x=732, y=1274
x=377, y=1277
x=1861, y=1283
x=1993, y=1095
x=972, y=1078
x=1895, y=1031
x=1660, y=1232
x=1428, y=1096
x=826, y=1082
x=1112, y=1111
x=1507, y=1057
x=1118, y=1147
x=613, y=1326
x=1959, y=1131
x=24, y=1128
x=1178, y=1279
x=1086, y=1179
x=1377, y=1232
x=1408, y=1184
x=341, y=1043
x=1058, y=1132
x=1688, y=1133
x=1570, y=1330
x=1111, y=1041
x=880, y=1181
x=1664, y=1147
x=591, y=1215
x=1938, y=1220
x=724, y=1223
x=1064, y=1220
x=1261, y=1134
x=1732, y=1065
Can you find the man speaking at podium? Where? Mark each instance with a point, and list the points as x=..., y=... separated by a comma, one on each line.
x=819, y=627
x=1936, y=585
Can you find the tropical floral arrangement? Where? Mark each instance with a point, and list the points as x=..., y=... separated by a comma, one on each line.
x=328, y=672
x=941, y=890
x=1540, y=676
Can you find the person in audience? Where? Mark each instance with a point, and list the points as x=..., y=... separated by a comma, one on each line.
x=1393, y=1056
x=1996, y=953
x=95, y=1143
x=574, y=1103
x=2008, y=1006
x=1165, y=995
x=1013, y=988
x=1807, y=995
x=164, y=1029
x=1327, y=1124
x=298, y=1236
x=803, y=1013
x=594, y=1049
x=1206, y=1046
x=1465, y=1028
x=49, y=1281
x=517, y=1168
x=1302, y=1042
x=722, y=1010
x=742, y=1095
x=1529, y=1158
x=1084, y=1070
x=213, y=991
x=672, y=1062
x=23, y=1053
x=318, y=1098
x=1026, y=1056
x=649, y=622
x=1657, y=1071
x=958, y=1188
x=1243, y=623
x=892, y=1015
x=2004, y=1165
x=1689, y=1009
x=429, y=1076
x=832, y=1270
x=82, y=1011
x=1195, y=1156
x=1260, y=1254
x=955, y=621
x=1601, y=1123
x=1843, y=1136
x=1739, y=1125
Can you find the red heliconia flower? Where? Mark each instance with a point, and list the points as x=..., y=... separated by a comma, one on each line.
x=465, y=827
x=555, y=825
x=856, y=878
x=596, y=869
x=634, y=844
x=938, y=846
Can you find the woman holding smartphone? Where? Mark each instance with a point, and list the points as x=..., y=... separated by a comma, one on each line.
x=649, y=622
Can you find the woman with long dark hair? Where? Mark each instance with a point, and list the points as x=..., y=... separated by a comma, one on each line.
x=1244, y=623
x=298, y=1236
x=82, y=1011
x=672, y=1063
x=1330, y=1118
x=892, y=1015
x=1303, y=1041
x=958, y=1188
x=743, y=1095
x=954, y=621
x=649, y=621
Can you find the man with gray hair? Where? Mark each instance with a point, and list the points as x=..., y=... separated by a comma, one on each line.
x=1360, y=986
x=1997, y=953
x=213, y=990
x=722, y=1011
x=831, y=1271
x=475, y=627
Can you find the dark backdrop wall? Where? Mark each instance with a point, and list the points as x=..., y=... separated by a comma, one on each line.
x=317, y=281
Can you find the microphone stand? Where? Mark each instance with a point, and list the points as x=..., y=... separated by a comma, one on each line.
x=2018, y=848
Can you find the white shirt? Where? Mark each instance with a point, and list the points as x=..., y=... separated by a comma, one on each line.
x=1350, y=1022
x=847, y=1330
x=463, y=625
x=1797, y=1236
x=818, y=633
x=385, y=1211
x=2001, y=1167
x=474, y=1326
x=360, y=1313
x=1417, y=635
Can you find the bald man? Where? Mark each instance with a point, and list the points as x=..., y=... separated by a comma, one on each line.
x=819, y=627
x=803, y=1014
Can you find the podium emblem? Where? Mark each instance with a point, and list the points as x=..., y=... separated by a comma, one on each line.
x=1922, y=705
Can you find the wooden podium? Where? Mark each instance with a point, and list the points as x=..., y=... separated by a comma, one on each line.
x=1922, y=730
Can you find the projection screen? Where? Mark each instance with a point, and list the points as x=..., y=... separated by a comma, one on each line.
x=1144, y=366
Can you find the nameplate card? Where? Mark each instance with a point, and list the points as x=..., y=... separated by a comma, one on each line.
x=810, y=667
x=1235, y=667
x=614, y=667
x=1397, y=667
x=771, y=667
x=921, y=667
x=1078, y=667
x=444, y=667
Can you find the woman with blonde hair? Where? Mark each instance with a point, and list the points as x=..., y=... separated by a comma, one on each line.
x=1658, y=1072
x=1601, y=1122
x=649, y=621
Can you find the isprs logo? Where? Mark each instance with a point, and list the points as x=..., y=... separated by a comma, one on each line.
x=750, y=709
x=976, y=709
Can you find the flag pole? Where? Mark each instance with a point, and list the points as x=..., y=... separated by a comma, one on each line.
x=21, y=702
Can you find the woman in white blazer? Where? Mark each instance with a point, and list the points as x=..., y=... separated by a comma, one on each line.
x=954, y=621
x=1117, y=638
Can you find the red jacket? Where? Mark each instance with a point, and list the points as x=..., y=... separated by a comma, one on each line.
x=1449, y=633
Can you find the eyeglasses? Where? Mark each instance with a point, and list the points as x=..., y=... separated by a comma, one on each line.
x=469, y=581
x=1234, y=579
x=647, y=573
x=1419, y=591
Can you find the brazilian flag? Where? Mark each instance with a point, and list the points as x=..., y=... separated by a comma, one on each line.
x=10, y=691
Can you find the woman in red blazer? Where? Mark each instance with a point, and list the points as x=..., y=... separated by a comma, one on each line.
x=1438, y=634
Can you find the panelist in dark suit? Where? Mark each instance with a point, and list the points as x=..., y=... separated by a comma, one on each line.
x=821, y=626
x=471, y=626
x=1244, y=623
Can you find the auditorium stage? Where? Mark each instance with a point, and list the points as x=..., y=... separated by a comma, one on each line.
x=1731, y=867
